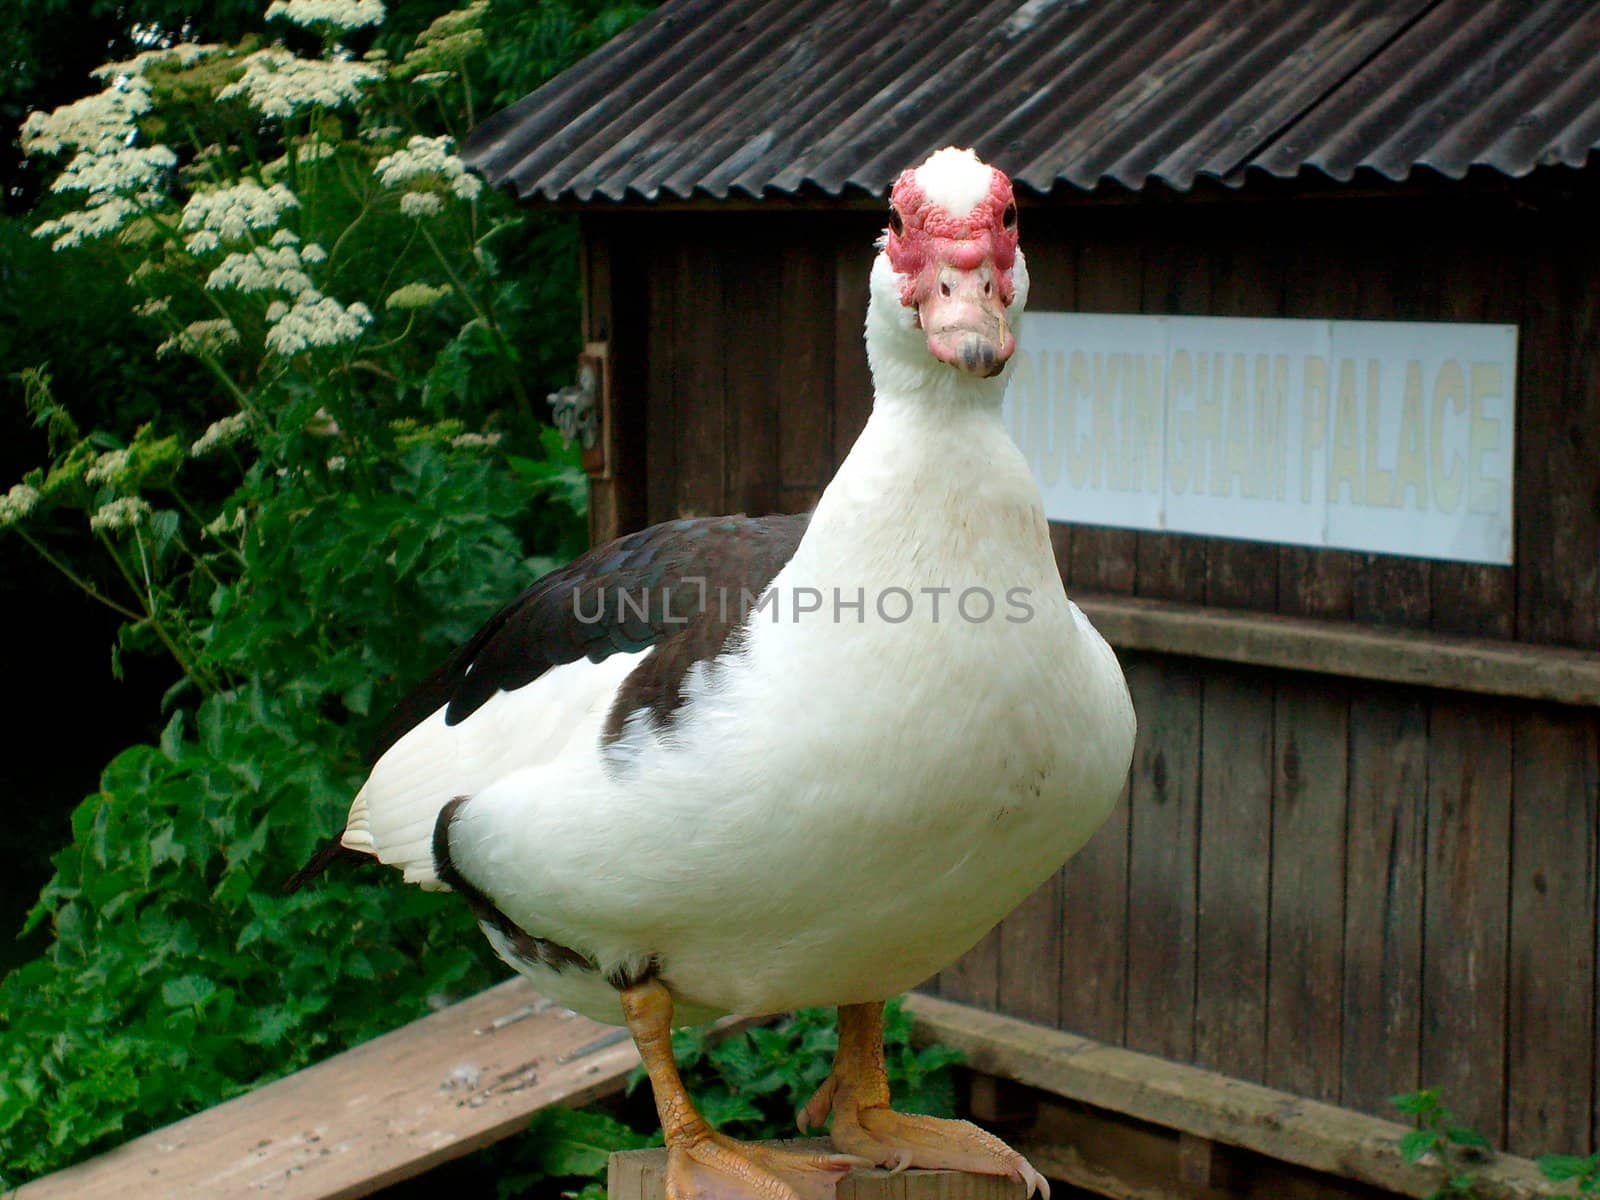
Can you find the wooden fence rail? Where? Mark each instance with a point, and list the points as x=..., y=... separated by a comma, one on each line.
x=472, y=1074
x=388, y=1110
x=1200, y=1105
x=1348, y=650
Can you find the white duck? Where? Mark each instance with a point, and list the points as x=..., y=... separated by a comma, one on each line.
x=735, y=765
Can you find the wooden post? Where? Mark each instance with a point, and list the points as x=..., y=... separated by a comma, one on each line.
x=642, y=1175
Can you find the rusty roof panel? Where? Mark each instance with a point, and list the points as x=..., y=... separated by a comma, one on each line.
x=755, y=97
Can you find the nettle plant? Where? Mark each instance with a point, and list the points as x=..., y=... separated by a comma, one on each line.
x=349, y=496
x=1459, y=1151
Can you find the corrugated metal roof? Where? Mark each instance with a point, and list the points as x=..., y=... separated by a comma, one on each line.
x=754, y=97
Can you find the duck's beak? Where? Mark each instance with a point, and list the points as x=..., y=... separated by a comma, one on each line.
x=964, y=318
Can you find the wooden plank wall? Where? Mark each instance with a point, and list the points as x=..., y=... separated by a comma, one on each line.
x=1341, y=889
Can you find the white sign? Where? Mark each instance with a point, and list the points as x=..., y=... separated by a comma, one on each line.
x=1386, y=436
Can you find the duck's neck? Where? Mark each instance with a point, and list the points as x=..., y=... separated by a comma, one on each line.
x=928, y=440
x=915, y=386
x=933, y=476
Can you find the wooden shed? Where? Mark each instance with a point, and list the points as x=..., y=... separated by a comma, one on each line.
x=1358, y=853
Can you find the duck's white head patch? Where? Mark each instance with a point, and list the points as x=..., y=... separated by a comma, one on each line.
x=955, y=180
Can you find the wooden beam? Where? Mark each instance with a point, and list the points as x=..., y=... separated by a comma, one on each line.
x=390, y=1109
x=1343, y=648
x=642, y=1175
x=1204, y=1104
x=1124, y=1159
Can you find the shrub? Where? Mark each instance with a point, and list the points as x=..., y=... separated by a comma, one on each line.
x=352, y=492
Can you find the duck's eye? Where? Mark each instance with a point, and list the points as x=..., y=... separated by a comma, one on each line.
x=896, y=221
x=1009, y=217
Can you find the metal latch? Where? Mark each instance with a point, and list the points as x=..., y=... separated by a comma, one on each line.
x=582, y=410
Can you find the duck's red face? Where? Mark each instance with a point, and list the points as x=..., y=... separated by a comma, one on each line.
x=953, y=241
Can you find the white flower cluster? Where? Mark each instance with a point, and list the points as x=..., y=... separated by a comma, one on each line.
x=429, y=159
x=454, y=23
x=229, y=213
x=314, y=320
x=153, y=306
x=200, y=338
x=323, y=423
x=110, y=468
x=417, y=205
x=308, y=150
x=125, y=169
x=267, y=269
x=336, y=14
x=314, y=149
x=451, y=38
x=16, y=504
x=108, y=163
x=277, y=83
x=463, y=440
x=415, y=295
x=220, y=433
x=103, y=214
x=126, y=512
x=184, y=54
x=97, y=124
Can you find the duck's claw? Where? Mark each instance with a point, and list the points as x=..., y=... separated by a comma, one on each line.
x=901, y=1140
x=1032, y=1180
x=719, y=1168
x=814, y=1113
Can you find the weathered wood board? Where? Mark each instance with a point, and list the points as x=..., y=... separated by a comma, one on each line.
x=1348, y=650
x=1202, y=1104
x=390, y=1109
x=642, y=1175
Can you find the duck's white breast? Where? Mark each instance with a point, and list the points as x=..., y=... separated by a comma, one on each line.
x=849, y=799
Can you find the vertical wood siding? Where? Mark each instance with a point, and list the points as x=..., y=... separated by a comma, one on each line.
x=1347, y=890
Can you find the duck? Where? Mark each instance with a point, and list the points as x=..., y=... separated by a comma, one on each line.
x=750, y=764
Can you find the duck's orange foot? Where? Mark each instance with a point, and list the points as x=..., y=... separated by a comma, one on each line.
x=715, y=1167
x=900, y=1140
x=856, y=1094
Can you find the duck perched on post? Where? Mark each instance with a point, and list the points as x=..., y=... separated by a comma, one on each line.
x=745, y=765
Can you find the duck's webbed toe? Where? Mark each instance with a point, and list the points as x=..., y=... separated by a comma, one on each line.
x=714, y=1167
x=701, y=1163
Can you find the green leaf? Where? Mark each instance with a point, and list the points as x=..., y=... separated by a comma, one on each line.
x=1460, y=1135
x=166, y=848
x=1418, y=1143
x=1562, y=1167
x=722, y=1108
x=1416, y=1103
x=187, y=991
x=579, y=1142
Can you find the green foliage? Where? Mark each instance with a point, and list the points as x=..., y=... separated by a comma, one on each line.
x=751, y=1086
x=1456, y=1148
x=531, y=42
x=326, y=475
x=1565, y=1168
x=565, y=1144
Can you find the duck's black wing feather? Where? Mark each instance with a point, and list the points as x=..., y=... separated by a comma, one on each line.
x=678, y=584
x=682, y=586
